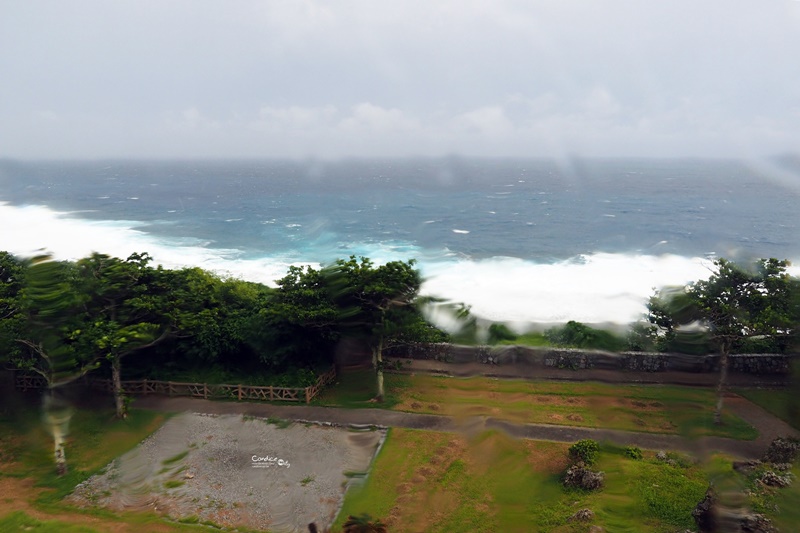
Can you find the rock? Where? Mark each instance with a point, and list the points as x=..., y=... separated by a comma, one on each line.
x=661, y=455
x=189, y=476
x=772, y=479
x=703, y=513
x=782, y=450
x=757, y=523
x=745, y=467
x=578, y=476
x=584, y=515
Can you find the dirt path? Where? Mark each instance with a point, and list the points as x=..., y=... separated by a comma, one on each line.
x=767, y=425
x=522, y=371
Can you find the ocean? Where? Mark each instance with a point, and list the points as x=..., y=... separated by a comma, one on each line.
x=520, y=241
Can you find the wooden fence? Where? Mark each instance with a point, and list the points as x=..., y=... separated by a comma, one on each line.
x=197, y=390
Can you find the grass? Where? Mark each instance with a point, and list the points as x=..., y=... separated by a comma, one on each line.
x=528, y=339
x=174, y=459
x=20, y=521
x=429, y=481
x=96, y=437
x=279, y=422
x=644, y=408
x=783, y=403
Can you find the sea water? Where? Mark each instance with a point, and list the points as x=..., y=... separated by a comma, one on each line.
x=518, y=240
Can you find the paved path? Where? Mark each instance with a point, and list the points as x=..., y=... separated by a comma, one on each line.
x=767, y=425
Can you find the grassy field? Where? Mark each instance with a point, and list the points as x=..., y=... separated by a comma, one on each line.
x=30, y=492
x=783, y=403
x=437, y=482
x=646, y=408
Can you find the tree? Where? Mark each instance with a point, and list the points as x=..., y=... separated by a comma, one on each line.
x=12, y=281
x=374, y=302
x=123, y=312
x=736, y=303
x=51, y=340
x=299, y=321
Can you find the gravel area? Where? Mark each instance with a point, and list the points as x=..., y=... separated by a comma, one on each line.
x=236, y=470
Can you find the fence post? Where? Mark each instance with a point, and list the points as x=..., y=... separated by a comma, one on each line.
x=144, y=392
x=308, y=394
x=169, y=388
x=270, y=393
x=205, y=391
x=240, y=391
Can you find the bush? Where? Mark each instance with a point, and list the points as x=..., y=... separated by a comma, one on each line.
x=634, y=452
x=578, y=335
x=585, y=451
x=499, y=333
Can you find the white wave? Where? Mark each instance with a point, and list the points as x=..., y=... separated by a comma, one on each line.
x=590, y=288
x=596, y=288
x=461, y=231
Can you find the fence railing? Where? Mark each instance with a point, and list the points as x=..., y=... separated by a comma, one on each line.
x=206, y=391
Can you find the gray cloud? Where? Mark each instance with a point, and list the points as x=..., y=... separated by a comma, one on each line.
x=267, y=78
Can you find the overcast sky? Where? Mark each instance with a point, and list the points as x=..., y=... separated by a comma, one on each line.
x=298, y=78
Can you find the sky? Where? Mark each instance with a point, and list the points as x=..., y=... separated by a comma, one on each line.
x=338, y=78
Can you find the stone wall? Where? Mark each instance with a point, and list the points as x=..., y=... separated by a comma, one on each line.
x=582, y=359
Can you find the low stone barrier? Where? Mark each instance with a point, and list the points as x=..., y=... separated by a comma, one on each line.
x=575, y=359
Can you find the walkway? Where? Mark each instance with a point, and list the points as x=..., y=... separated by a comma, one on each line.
x=767, y=425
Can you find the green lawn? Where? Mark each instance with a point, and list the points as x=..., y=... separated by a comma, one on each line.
x=783, y=403
x=428, y=481
x=96, y=437
x=645, y=408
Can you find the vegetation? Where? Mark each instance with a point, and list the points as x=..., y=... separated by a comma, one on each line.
x=494, y=483
x=647, y=408
x=585, y=451
x=782, y=403
x=577, y=335
x=737, y=307
x=125, y=317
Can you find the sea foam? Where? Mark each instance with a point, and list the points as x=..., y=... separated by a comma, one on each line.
x=592, y=288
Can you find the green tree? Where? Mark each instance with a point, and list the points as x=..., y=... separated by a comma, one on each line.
x=735, y=304
x=123, y=312
x=299, y=322
x=51, y=340
x=12, y=282
x=374, y=302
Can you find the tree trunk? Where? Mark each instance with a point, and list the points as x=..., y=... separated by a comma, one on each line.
x=117, y=382
x=59, y=439
x=377, y=361
x=57, y=415
x=723, y=380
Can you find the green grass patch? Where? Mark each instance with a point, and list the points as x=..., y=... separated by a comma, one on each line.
x=643, y=408
x=783, y=403
x=528, y=339
x=495, y=483
x=20, y=521
x=354, y=390
x=173, y=484
x=279, y=423
x=175, y=458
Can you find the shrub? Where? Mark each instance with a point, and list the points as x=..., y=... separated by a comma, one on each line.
x=499, y=333
x=585, y=451
x=634, y=452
